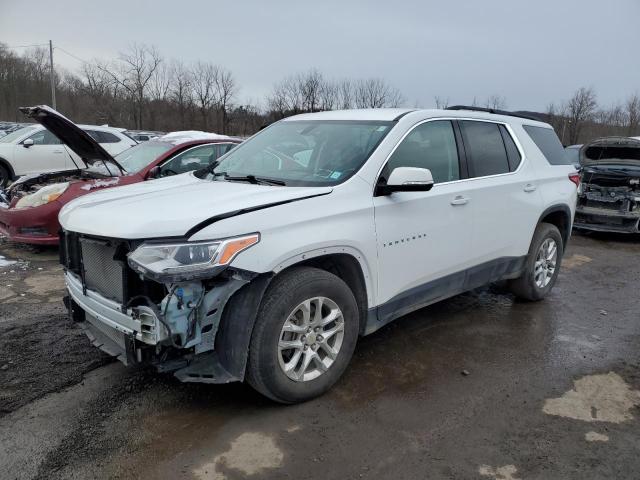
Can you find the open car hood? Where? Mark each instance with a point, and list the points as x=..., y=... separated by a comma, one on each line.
x=612, y=151
x=71, y=135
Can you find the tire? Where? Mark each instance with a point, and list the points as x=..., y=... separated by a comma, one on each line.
x=529, y=286
x=267, y=362
x=5, y=176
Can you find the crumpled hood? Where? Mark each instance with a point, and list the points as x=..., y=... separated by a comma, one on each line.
x=170, y=207
x=611, y=150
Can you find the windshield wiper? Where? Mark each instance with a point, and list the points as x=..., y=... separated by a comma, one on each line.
x=252, y=179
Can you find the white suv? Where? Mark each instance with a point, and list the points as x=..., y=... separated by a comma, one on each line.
x=33, y=149
x=322, y=227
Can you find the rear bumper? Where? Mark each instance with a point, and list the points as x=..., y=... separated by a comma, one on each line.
x=603, y=220
x=36, y=226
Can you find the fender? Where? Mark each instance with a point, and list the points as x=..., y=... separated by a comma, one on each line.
x=343, y=249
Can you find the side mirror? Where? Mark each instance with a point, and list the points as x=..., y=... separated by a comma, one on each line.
x=154, y=173
x=27, y=143
x=406, y=179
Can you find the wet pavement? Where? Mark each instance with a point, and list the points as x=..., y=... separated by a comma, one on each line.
x=477, y=387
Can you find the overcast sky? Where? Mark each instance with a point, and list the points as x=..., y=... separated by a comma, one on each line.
x=531, y=52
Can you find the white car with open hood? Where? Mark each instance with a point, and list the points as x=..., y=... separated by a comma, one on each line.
x=33, y=149
x=268, y=265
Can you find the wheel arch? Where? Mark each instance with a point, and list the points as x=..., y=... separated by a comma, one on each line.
x=560, y=216
x=240, y=311
x=346, y=267
x=4, y=163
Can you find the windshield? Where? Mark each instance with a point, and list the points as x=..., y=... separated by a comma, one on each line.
x=305, y=153
x=17, y=134
x=136, y=158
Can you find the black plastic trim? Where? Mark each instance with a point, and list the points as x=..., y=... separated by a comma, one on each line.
x=442, y=288
x=493, y=111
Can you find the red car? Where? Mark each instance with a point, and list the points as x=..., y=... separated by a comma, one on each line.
x=29, y=207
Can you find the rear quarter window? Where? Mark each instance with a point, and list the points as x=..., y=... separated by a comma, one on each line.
x=549, y=144
x=106, y=137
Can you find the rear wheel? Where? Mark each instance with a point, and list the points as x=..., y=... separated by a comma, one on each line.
x=542, y=264
x=5, y=177
x=305, y=335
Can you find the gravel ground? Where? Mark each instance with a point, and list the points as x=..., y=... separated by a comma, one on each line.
x=477, y=387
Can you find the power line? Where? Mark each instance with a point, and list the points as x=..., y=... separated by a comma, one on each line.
x=27, y=46
x=71, y=54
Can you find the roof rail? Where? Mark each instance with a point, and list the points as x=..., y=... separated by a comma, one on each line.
x=494, y=111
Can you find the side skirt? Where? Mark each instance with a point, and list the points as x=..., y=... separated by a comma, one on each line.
x=442, y=288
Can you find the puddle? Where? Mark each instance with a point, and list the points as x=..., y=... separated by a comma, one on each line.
x=250, y=453
x=575, y=261
x=596, y=398
x=5, y=263
x=596, y=437
x=506, y=472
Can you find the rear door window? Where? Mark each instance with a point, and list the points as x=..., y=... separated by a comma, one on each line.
x=486, y=152
x=549, y=144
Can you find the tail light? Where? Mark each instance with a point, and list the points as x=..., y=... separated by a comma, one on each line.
x=575, y=178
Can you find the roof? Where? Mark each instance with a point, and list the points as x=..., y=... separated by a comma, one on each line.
x=390, y=114
x=379, y=114
x=177, y=138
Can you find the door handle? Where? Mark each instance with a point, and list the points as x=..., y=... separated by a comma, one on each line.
x=529, y=187
x=459, y=200
x=57, y=151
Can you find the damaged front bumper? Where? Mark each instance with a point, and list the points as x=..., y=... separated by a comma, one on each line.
x=177, y=337
x=608, y=209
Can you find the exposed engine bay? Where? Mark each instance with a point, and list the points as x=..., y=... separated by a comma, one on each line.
x=609, y=193
x=32, y=183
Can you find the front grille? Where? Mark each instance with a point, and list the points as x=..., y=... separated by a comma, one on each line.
x=102, y=265
x=102, y=272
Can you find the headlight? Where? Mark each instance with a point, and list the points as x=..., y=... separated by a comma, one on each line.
x=43, y=196
x=186, y=261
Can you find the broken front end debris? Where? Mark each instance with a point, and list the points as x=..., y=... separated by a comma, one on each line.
x=609, y=193
x=198, y=329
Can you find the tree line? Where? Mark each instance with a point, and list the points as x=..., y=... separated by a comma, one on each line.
x=140, y=89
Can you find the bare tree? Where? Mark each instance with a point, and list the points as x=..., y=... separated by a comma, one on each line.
x=204, y=79
x=345, y=93
x=225, y=92
x=180, y=89
x=579, y=109
x=496, y=102
x=632, y=111
x=441, y=102
x=133, y=71
x=375, y=93
x=160, y=82
x=310, y=86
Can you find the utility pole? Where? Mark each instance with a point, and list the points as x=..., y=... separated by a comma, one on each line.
x=53, y=82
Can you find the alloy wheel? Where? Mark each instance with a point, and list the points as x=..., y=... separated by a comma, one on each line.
x=545, y=265
x=310, y=339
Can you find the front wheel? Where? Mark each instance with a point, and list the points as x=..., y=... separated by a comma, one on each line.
x=542, y=264
x=305, y=334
